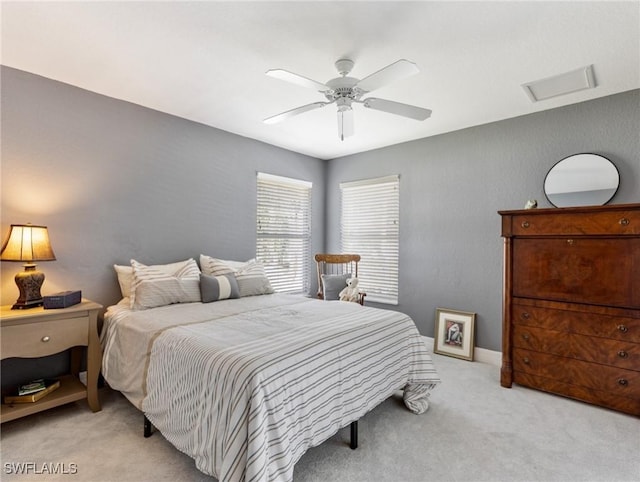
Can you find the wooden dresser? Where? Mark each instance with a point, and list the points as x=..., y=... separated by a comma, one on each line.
x=571, y=308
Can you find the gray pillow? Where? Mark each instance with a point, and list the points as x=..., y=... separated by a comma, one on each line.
x=215, y=288
x=333, y=284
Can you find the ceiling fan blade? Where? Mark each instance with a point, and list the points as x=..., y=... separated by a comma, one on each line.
x=395, y=71
x=405, y=110
x=345, y=123
x=297, y=79
x=290, y=113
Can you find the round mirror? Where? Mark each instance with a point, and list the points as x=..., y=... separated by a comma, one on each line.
x=581, y=180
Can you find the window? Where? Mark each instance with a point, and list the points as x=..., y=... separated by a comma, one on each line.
x=284, y=231
x=370, y=227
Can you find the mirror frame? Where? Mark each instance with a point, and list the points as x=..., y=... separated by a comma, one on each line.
x=544, y=186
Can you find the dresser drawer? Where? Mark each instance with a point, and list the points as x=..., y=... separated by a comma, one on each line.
x=42, y=338
x=541, y=339
x=547, y=318
x=588, y=348
x=536, y=223
x=596, y=271
x=606, y=352
x=617, y=381
x=623, y=328
x=602, y=398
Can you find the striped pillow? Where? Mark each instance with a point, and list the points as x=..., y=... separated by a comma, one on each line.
x=216, y=267
x=250, y=275
x=153, y=286
x=125, y=274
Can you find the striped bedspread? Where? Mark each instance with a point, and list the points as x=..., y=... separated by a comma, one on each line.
x=246, y=386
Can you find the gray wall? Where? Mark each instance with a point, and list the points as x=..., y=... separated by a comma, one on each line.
x=452, y=185
x=114, y=181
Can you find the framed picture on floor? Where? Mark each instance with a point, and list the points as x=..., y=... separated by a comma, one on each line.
x=454, y=333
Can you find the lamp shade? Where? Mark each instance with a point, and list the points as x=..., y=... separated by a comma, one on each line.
x=28, y=243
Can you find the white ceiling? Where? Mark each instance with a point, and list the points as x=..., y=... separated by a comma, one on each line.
x=206, y=61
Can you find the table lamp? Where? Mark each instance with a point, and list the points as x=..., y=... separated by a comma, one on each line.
x=28, y=243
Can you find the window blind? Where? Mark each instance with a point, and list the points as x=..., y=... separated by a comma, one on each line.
x=284, y=231
x=370, y=227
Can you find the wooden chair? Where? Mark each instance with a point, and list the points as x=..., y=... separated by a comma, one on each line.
x=337, y=264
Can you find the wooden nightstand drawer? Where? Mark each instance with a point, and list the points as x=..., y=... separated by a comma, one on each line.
x=32, y=340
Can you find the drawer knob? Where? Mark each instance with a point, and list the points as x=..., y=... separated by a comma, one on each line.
x=526, y=336
x=622, y=328
x=623, y=354
x=622, y=382
x=570, y=242
x=525, y=315
x=526, y=361
x=525, y=224
x=624, y=222
x=45, y=339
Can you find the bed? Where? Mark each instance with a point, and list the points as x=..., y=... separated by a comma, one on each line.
x=245, y=386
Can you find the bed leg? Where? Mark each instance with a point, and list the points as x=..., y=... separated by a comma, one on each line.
x=354, y=435
x=148, y=428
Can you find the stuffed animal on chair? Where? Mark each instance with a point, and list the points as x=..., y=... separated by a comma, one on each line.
x=351, y=292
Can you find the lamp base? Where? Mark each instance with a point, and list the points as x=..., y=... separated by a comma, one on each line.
x=29, y=283
x=29, y=304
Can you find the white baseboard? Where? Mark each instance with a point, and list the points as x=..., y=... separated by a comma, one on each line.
x=479, y=354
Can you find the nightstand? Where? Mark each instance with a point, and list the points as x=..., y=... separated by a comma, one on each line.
x=37, y=332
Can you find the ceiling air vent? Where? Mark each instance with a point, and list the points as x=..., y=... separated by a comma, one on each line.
x=579, y=79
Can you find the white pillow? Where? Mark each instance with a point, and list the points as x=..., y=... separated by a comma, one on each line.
x=154, y=286
x=251, y=276
x=125, y=274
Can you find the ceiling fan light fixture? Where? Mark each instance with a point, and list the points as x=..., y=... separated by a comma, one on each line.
x=343, y=103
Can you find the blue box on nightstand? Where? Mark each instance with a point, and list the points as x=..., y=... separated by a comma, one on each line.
x=63, y=299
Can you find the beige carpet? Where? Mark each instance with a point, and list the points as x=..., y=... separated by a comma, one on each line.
x=474, y=431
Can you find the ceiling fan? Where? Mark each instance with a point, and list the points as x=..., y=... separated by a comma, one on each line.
x=344, y=91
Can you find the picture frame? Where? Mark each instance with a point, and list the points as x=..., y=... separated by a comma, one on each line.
x=454, y=333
